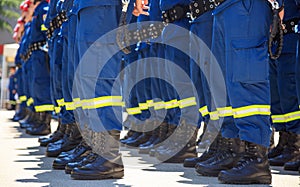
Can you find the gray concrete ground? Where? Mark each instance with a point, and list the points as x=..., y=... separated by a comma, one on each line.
x=23, y=164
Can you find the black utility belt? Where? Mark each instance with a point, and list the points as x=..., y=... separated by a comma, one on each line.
x=291, y=26
x=194, y=10
x=176, y=13
x=199, y=7
x=33, y=47
x=56, y=23
x=145, y=33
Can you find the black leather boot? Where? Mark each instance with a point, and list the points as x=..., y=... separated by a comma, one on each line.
x=158, y=135
x=57, y=135
x=89, y=158
x=272, y=142
x=226, y=158
x=69, y=142
x=191, y=162
x=21, y=114
x=44, y=127
x=29, y=119
x=77, y=153
x=143, y=138
x=108, y=164
x=134, y=136
x=183, y=146
x=252, y=168
x=165, y=128
x=291, y=151
x=293, y=165
x=128, y=135
x=277, y=150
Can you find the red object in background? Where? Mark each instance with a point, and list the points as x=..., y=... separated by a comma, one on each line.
x=1, y=49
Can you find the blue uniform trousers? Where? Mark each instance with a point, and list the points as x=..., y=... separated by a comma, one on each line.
x=284, y=101
x=102, y=100
x=40, y=80
x=241, y=39
x=179, y=98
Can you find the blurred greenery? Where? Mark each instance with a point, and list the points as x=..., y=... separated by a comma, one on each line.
x=8, y=11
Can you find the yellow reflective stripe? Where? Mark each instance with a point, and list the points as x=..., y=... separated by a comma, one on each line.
x=191, y=101
x=30, y=101
x=251, y=110
x=77, y=102
x=60, y=102
x=103, y=101
x=150, y=103
x=292, y=116
x=43, y=28
x=204, y=111
x=171, y=104
x=278, y=119
x=133, y=111
x=43, y=108
x=143, y=106
x=12, y=102
x=159, y=105
x=70, y=105
x=87, y=103
x=23, y=98
x=57, y=110
x=214, y=115
x=225, y=111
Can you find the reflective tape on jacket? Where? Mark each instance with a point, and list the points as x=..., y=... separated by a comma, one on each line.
x=283, y=118
x=44, y=108
x=204, y=111
x=183, y=103
x=251, y=110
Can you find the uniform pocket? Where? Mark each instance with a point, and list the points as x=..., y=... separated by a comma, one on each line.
x=249, y=60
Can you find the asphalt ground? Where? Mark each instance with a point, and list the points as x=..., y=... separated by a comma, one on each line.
x=23, y=163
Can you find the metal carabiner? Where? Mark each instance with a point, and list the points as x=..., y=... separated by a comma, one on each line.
x=125, y=4
x=275, y=4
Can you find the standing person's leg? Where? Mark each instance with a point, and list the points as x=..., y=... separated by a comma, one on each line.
x=102, y=102
x=248, y=86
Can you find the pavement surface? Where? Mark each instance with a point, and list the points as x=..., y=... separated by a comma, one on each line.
x=24, y=164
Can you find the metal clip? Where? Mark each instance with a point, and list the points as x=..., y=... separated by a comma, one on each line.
x=275, y=4
x=190, y=15
x=125, y=4
x=297, y=29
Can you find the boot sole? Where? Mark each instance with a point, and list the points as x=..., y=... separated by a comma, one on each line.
x=260, y=180
x=207, y=174
x=58, y=167
x=116, y=175
x=68, y=170
x=276, y=164
x=291, y=168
